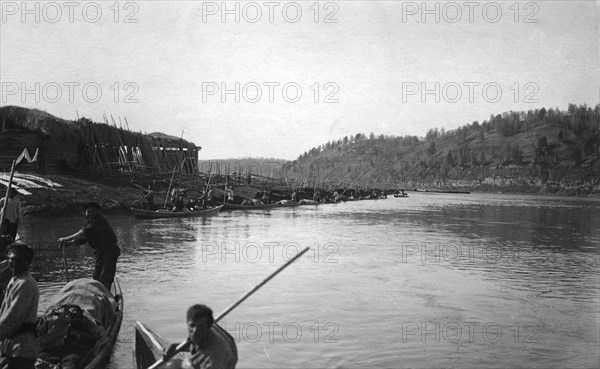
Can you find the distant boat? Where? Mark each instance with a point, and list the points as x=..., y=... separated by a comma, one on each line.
x=441, y=191
x=156, y=214
x=261, y=206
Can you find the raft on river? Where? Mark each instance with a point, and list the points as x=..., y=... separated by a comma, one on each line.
x=150, y=214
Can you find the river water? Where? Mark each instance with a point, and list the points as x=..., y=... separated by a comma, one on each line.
x=429, y=281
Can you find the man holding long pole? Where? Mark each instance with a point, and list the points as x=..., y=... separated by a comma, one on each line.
x=202, y=322
x=100, y=236
x=210, y=348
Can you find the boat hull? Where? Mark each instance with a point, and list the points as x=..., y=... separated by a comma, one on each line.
x=258, y=207
x=105, y=350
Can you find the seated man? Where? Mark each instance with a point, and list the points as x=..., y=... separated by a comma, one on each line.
x=191, y=205
x=229, y=194
x=179, y=204
x=210, y=345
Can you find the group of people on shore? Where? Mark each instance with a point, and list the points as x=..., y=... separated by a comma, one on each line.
x=204, y=201
x=179, y=201
x=19, y=346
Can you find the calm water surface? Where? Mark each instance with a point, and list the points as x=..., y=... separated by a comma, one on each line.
x=429, y=281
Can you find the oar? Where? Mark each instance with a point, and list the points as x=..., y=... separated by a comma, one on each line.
x=65, y=263
x=185, y=343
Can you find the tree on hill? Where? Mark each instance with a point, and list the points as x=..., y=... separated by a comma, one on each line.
x=560, y=137
x=542, y=145
x=507, y=157
x=431, y=149
x=482, y=160
x=432, y=135
x=450, y=159
x=542, y=113
x=516, y=156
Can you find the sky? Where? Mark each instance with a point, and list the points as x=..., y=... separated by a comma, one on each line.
x=277, y=78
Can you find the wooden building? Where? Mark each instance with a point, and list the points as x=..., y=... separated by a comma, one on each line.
x=86, y=148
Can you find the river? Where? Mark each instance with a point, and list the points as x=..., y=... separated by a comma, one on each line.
x=429, y=281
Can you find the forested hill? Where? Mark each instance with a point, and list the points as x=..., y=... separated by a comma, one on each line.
x=543, y=149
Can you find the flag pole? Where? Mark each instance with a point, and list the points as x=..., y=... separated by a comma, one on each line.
x=12, y=173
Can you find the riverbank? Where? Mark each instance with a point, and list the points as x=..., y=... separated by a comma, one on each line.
x=67, y=194
x=585, y=190
x=58, y=196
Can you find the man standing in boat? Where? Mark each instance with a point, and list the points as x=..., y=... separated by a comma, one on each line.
x=18, y=312
x=229, y=195
x=209, y=197
x=148, y=199
x=100, y=236
x=210, y=347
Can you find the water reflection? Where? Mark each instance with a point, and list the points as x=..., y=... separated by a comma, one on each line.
x=377, y=268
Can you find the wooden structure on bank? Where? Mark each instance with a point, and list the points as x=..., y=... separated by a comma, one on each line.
x=86, y=148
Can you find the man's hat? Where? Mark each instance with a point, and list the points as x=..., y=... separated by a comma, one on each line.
x=21, y=250
x=93, y=205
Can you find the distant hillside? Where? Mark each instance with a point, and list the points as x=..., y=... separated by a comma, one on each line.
x=542, y=149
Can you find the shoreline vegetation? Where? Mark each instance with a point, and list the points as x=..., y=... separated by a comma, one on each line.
x=544, y=152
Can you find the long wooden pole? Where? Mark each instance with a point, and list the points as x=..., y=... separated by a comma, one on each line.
x=169, y=190
x=185, y=343
x=225, y=192
x=65, y=263
x=12, y=173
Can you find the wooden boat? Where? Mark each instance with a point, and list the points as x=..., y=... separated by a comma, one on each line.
x=258, y=207
x=98, y=356
x=441, y=191
x=149, y=347
x=149, y=214
x=101, y=354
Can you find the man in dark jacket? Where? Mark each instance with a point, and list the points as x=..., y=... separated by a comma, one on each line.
x=100, y=236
